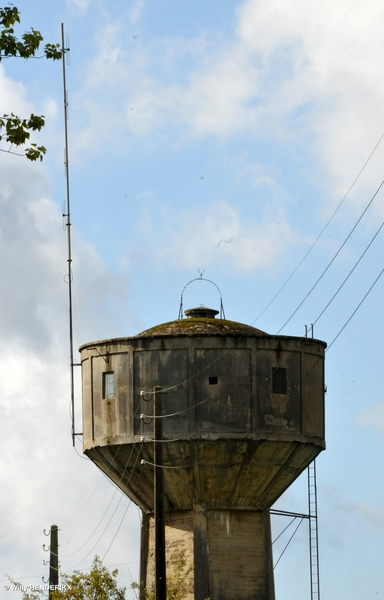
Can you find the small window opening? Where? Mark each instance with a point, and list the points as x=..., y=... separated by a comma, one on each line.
x=108, y=385
x=212, y=380
x=279, y=380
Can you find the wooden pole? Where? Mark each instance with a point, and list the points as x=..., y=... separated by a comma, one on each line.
x=54, y=560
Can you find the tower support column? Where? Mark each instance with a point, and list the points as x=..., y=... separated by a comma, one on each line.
x=230, y=551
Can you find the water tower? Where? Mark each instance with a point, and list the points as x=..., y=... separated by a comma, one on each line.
x=246, y=418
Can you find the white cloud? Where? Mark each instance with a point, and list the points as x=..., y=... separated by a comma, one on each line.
x=376, y=516
x=136, y=10
x=373, y=417
x=320, y=67
x=304, y=73
x=79, y=4
x=213, y=101
x=13, y=96
x=219, y=235
x=43, y=481
x=14, y=99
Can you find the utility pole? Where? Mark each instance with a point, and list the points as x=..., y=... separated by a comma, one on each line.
x=53, y=560
x=160, y=568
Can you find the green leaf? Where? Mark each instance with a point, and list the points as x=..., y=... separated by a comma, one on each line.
x=28, y=44
x=17, y=130
x=53, y=51
x=35, y=152
x=9, y=16
x=35, y=122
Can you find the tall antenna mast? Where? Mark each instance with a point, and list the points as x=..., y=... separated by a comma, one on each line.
x=67, y=216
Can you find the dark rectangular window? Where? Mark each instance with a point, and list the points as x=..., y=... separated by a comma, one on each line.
x=279, y=380
x=109, y=385
x=212, y=380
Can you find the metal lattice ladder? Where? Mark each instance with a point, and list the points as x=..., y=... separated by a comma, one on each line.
x=313, y=532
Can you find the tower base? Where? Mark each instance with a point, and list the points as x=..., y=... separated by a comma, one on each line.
x=228, y=553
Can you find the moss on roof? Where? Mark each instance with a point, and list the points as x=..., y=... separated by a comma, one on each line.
x=200, y=326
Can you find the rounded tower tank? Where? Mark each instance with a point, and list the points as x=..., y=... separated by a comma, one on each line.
x=243, y=417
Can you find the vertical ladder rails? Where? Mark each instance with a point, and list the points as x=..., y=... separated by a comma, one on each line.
x=313, y=532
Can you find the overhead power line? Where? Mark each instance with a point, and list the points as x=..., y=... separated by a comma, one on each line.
x=350, y=273
x=321, y=232
x=356, y=309
x=334, y=257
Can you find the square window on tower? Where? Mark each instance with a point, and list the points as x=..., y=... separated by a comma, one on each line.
x=279, y=380
x=108, y=385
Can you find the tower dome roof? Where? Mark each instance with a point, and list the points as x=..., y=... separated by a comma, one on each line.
x=201, y=321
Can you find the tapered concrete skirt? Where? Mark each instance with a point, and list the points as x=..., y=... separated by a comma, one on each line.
x=230, y=550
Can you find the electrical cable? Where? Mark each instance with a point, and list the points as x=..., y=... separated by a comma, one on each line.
x=11, y=152
x=356, y=309
x=79, y=455
x=146, y=462
x=151, y=440
x=121, y=497
x=118, y=529
x=4, y=56
x=334, y=257
x=130, y=574
x=289, y=541
x=124, y=515
x=338, y=290
x=346, y=323
x=321, y=232
x=105, y=512
x=284, y=530
x=179, y=412
x=349, y=274
x=105, y=529
x=97, y=526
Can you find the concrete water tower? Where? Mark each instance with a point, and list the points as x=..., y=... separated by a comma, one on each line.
x=247, y=417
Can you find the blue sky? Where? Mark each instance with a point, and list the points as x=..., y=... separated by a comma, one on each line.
x=190, y=124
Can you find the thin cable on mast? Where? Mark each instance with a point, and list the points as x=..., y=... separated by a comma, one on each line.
x=68, y=228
